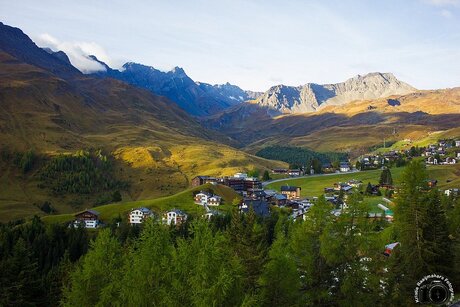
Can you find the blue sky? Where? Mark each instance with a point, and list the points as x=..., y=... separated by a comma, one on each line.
x=255, y=44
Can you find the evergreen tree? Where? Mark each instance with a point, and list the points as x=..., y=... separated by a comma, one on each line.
x=279, y=281
x=368, y=189
x=266, y=176
x=385, y=177
x=416, y=251
x=348, y=247
x=93, y=283
x=313, y=271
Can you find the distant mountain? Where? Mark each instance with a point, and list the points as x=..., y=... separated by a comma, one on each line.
x=48, y=106
x=198, y=99
x=14, y=41
x=310, y=97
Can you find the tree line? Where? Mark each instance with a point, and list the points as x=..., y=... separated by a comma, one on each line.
x=298, y=157
x=85, y=172
x=244, y=260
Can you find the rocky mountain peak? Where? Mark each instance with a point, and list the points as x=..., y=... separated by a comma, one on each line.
x=310, y=97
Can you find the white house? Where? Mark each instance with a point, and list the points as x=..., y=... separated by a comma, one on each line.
x=240, y=175
x=87, y=219
x=345, y=167
x=202, y=198
x=457, y=143
x=138, y=216
x=214, y=200
x=175, y=217
x=454, y=192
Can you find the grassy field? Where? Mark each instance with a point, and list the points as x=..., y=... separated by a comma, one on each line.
x=182, y=200
x=447, y=176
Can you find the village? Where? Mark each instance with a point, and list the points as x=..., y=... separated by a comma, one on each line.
x=253, y=195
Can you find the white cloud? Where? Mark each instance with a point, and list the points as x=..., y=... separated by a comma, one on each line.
x=78, y=52
x=446, y=13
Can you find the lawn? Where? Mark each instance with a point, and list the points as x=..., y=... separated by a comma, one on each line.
x=447, y=176
x=182, y=200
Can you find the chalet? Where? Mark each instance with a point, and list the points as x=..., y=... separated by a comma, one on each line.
x=329, y=190
x=453, y=192
x=252, y=183
x=240, y=175
x=174, y=217
x=279, y=200
x=279, y=171
x=457, y=143
x=290, y=192
x=214, y=200
x=294, y=172
x=270, y=193
x=260, y=207
x=432, y=183
x=256, y=193
x=202, y=198
x=87, y=219
x=449, y=160
x=200, y=180
x=345, y=167
x=235, y=183
x=139, y=215
x=328, y=168
x=355, y=183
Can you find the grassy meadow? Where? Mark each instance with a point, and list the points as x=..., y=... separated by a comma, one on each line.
x=182, y=200
x=447, y=176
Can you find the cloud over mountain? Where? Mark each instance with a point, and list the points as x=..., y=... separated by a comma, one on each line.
x=77, y=52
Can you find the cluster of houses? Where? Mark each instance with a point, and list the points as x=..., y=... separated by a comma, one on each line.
x=343, y=167
x=137, y=216
x=441, y=154
x=377, y=160
x=240, y=182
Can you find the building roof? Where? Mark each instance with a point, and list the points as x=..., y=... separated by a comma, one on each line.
x=143, y=210
x=261, y=207
x=90, y=211
x=289, y=188
x=280, y=196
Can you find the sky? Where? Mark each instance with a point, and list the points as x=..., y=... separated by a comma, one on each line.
x=254, y=44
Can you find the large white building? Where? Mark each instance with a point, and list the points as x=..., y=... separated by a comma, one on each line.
x=138, y=216
x=175, y=217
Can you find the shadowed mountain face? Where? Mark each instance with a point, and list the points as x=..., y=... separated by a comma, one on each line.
x=13, y=41
x=311, y=97
x=53, y=109
x=198, y=99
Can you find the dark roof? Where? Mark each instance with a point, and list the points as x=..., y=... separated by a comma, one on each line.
x=94, y=212
x=261, y=207
x=289, y=188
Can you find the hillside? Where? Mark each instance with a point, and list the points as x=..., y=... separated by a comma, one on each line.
x=155, y=145
x=183, y=201
x=353, y=127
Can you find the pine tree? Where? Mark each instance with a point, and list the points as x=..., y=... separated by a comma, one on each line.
x=279, y=281
x=93, y=283
x=347, y=245
x=313, y=271
x=410, y=223
x=266, y=176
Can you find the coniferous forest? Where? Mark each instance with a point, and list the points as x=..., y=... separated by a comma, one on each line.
x=239, y=260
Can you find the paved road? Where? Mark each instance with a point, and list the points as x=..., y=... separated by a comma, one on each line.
x=309, y=176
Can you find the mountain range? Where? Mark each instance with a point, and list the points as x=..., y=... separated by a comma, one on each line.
x=311, y=97
x=196, y=98
x=163, y=128
x=48, y=106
